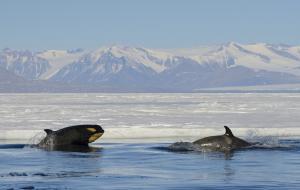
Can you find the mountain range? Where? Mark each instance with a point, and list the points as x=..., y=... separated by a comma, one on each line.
x=135, y=69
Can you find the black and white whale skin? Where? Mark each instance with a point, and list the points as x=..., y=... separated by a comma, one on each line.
x=80, y=135
x=226, y=142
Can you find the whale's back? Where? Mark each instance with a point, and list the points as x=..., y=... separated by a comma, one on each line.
x=224, y=142
x=220, y=142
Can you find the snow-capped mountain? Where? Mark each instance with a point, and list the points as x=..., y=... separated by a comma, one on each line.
x=36, y=65
x=57, y=59
x=126, y=68
x=107, y=63
x=23, y=63
x=275, y=58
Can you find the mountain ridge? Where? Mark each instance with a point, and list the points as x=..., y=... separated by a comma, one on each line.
x=125, y=68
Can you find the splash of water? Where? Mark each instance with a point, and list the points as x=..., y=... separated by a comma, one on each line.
x=258, y=140
x=36, y=138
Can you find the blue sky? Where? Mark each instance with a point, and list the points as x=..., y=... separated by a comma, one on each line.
x=65, y=24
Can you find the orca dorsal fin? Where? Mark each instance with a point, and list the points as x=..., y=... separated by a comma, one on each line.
x=228, y=131
x=48, y=131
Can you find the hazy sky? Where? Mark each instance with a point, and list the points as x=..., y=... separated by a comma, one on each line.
x=64, y=24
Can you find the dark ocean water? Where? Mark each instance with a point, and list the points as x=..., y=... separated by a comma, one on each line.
x=150, y=166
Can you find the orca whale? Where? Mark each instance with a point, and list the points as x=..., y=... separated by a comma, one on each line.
x=80, y=135
x=226, y=142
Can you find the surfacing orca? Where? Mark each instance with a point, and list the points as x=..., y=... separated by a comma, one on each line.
x=80, y=135
x=226, y=142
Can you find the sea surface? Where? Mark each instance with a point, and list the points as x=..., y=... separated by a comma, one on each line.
x=133, y=152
